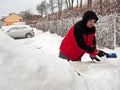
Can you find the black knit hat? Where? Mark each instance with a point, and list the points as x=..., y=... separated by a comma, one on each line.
x=89, y=15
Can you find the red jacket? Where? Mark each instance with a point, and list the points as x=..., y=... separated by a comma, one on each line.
x=70, y=48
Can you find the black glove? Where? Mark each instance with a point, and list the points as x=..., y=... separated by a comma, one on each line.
x=94, y=58
x=101, y=53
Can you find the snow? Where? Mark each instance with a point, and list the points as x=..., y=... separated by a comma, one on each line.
x=46, y=42
x=23, y=68
x=33, y=64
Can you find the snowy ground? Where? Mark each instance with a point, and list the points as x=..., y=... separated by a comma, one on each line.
x=33, y=64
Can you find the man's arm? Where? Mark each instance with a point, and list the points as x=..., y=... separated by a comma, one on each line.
x=80, y=40
x=94, y=42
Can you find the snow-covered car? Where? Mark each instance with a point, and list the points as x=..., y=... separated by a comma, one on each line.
x=18, y=31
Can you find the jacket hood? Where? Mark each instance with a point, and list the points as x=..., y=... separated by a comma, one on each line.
x=88, y=15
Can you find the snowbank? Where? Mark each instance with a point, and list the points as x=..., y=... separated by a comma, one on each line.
x=46, y=42
x=96, y=76
x=26, y=66
x=22, y=68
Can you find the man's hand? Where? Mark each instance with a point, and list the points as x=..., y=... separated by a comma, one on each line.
x=94, y=58
x=101, y=53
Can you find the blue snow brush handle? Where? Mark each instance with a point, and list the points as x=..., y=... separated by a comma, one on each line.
x=111, y=55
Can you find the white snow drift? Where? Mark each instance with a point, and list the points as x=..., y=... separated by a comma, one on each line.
x=26, y=66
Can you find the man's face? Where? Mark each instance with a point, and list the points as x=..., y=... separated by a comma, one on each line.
x=91, y=23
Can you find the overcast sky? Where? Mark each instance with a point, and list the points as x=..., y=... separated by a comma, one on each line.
x=15, y=6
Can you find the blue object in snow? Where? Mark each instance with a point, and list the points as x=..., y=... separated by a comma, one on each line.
x=111, y=55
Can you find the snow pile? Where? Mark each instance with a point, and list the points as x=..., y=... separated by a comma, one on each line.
x=46, y=42
x=22, y=67
x=103, y=73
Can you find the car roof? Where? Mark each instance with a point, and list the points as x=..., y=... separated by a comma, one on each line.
x=6, y=28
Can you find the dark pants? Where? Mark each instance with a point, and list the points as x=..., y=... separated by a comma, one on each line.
x=63, y=57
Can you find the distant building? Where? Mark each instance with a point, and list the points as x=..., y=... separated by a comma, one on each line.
x=13, y=18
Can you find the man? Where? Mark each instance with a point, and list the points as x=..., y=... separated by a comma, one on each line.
x=81, y=39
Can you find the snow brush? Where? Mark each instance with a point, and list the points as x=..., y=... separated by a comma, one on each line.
x=111, y=55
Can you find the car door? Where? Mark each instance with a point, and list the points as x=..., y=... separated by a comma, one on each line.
x=24, y=30
x=11, y=32
x=21, y=31
x=14, y=32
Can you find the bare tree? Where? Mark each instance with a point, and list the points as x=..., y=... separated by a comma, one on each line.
x=59, y=3
x=81, y=5
x=89, y=4
x=66, y=1
x=72, y=3
x=51, y=4
x=42, y=8
x=69, y=3
x=26, y=14
x=77, y=5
